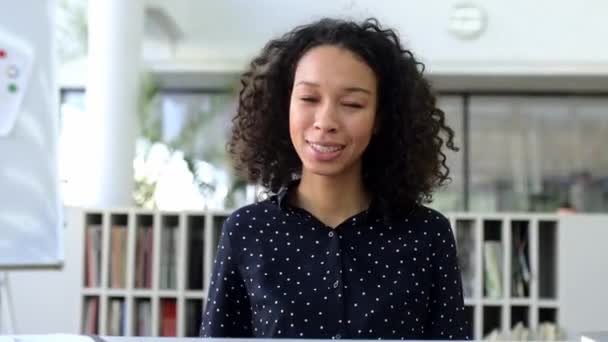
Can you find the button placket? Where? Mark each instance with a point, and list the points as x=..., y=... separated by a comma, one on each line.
x=335, y=281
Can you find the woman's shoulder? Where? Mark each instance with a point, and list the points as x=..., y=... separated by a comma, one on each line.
x=431, y=220
x=426, y=214
x=252, y=212
x=240, y=223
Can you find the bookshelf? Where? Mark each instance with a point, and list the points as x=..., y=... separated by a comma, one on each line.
x=146, y=273
x=509, y=268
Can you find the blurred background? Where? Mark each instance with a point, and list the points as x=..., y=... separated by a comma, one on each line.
x=147, y=89
x=523, y=86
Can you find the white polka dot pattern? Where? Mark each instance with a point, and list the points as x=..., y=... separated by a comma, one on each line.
x=279, y=272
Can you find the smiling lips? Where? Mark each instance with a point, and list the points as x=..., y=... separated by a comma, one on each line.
x=325, y=151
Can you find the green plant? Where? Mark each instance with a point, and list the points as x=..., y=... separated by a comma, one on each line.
x=72, y=29
x=199, y=139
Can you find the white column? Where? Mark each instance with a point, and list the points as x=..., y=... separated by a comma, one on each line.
x=114, y=64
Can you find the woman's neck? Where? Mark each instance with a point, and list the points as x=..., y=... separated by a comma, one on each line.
x=332, y=200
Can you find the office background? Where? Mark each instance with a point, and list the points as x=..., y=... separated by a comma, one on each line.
x=523, y=84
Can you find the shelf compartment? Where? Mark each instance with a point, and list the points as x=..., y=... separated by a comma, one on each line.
x=492, y=318
x=520, y=314
x=520, y=259
x=193, y=316
x=169, y=249
x=493, y=252
x=465, y=242
x=144, y=251
x=547, y=259
x=195, y=264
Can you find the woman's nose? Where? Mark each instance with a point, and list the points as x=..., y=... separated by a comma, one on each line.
x=325, y=118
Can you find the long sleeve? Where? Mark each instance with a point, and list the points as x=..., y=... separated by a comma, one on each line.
x=227, y=312
x=447, y=319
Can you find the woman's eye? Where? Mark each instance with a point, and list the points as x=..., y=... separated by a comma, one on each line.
x=352, y=105
x=309, y=99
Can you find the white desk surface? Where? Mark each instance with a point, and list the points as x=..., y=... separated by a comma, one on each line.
x=82, y=338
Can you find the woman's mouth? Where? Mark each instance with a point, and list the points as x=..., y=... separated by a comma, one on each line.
x=324, y=151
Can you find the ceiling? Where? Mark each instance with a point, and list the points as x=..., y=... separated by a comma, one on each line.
x=189, y=37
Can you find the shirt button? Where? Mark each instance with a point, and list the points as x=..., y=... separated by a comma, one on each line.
x=331, y=234
x=336, y=284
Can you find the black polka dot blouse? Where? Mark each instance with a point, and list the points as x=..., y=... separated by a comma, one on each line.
x=279, y=272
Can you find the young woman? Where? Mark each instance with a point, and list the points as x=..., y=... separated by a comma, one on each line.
x=337, y=121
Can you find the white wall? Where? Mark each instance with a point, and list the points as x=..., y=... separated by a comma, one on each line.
x=49, y=301
x=583, y=276
x=521, y=36
x=531, y=45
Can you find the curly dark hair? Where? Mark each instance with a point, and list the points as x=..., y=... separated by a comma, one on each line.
x=403, y=163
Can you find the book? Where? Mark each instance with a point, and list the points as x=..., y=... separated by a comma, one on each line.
x=92, y=256
x=98, y=245
x=148, y=258
x=164, y=260
x=144, y=318
x=520, y=277
x=118, y=257
x=139, y=258
x=493, y=269
x=466, y=260
x=89, y=259
x=169, y=318
x=89, y=322
x=168, y=262
x=143, y=257
x=115, y=317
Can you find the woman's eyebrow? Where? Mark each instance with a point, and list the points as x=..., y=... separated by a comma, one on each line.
x=347, y=89
x=357, y=89
x=307, y=83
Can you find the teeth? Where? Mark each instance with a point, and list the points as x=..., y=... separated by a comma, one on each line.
x=326, y=149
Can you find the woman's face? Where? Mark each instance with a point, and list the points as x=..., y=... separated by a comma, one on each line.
x=332, y=111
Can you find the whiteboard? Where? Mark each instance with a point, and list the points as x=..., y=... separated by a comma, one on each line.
x=30, y=205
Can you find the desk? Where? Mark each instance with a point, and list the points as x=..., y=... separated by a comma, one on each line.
x=199, y=339
x=82, y=338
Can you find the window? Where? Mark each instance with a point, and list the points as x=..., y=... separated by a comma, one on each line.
x=525, y=153
x=538, y=153
x=180, y=160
